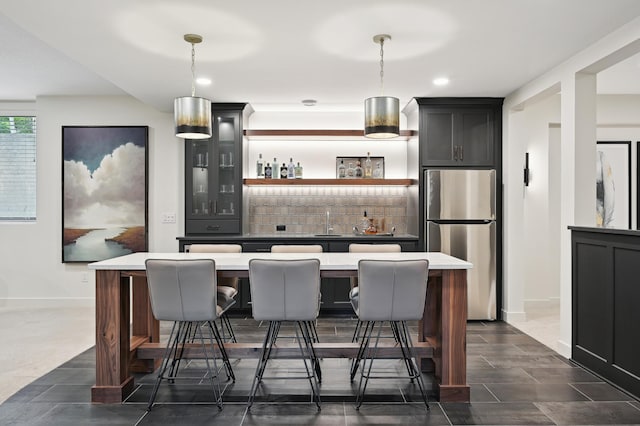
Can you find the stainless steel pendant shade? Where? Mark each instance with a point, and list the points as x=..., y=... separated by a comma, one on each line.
x=192, y=117
x=381, y=117
x=381, y=113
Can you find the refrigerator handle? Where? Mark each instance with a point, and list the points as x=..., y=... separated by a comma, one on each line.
x=461, y=152
x=455, y=152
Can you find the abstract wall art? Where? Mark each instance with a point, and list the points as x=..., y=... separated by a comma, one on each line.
x=613, y=184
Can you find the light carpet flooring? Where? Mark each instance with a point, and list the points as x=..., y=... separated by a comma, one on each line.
x=37, y=338
x=542, y=323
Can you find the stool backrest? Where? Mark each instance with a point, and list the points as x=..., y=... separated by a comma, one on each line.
x=284, y=290
x=374, y=248
x=371, y=248
x=219, y=248
x=182, y=290
x=392, y=290
x=293, y=248
x=215, y=248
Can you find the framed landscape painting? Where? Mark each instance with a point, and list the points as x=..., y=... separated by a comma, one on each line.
x=613, y=184
x=104, y=191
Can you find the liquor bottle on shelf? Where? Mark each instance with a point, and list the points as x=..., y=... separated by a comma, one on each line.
x=260, y=167
x=358, y=171
x=342, y=170
x=351, y=171
x=283, y=171
x=291, y=169
x=268, y=171
x=275, y=169
x=298, y=171
x=368, y=169
x=377, y=173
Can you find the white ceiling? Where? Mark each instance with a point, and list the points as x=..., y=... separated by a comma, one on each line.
x=275, y=53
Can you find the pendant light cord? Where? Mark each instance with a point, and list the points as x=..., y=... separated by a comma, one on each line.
x=382, y=66
x=193, y=70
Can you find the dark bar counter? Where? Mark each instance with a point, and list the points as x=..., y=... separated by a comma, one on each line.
x=606, y=304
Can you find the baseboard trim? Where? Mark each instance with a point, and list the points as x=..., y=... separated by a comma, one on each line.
x=59, y=302
x=513, y=316
x=564, y=349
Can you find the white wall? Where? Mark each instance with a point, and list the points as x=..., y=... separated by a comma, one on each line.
x=540, y=280
x=30, y=254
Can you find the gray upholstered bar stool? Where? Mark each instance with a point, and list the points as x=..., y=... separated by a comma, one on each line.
x=391, y=291
x=302, y=248
x=227, y=286
x=184, y=291
x=354, y=292
x=286, y=290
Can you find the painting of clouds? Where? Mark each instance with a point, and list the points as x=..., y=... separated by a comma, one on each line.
x=104, y=207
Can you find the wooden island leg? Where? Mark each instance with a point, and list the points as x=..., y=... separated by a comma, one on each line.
x=444, y=326
x=145, y=328
x=113, y=382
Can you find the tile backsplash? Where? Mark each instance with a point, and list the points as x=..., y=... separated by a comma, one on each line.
x=303, y=208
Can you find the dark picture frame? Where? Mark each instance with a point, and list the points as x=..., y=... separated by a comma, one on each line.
x=637, y=186
x=613, y=184
x=105, y=191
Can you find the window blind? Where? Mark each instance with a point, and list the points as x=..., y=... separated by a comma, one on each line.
x=17, y=168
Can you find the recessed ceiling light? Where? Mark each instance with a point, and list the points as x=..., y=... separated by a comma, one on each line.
x=309, y=102
x=441, y=81
x=203, y=81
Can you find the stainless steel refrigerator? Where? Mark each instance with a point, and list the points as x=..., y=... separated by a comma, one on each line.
x=460, y=213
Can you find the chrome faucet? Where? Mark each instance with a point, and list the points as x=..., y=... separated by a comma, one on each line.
x=327, y=228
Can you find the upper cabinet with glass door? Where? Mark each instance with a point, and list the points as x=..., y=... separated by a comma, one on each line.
x=213, y=176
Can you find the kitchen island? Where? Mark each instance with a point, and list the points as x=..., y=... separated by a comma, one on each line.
x=128, y=343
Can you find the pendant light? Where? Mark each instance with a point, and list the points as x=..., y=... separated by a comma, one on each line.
x=381, y=113
x=192, y=114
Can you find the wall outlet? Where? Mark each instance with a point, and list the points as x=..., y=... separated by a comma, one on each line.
x=168, y=218
x=281, y=227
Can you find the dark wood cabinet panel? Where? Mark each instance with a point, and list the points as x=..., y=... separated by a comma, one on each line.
x=605, y=295
x=459, y=131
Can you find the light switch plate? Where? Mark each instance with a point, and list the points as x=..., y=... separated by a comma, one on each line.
x=168, y=218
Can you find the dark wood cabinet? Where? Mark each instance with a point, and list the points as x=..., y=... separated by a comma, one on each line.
x=605, y=293
x=213, y=175
x=459, y=131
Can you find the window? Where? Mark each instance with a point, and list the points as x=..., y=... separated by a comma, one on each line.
x=17, y=168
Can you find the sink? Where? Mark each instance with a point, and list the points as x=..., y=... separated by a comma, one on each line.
x=327, y=235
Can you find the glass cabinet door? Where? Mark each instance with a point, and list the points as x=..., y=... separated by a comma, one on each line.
x=226, y=178
x=200, y=202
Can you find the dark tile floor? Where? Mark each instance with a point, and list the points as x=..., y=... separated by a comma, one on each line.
x=514, y=381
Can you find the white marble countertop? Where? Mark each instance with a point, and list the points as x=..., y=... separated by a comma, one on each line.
x=240, y=261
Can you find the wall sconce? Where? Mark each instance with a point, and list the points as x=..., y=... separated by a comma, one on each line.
x=526, y=169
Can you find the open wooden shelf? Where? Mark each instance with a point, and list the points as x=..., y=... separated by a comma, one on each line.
x=317, y=133
x=352, y=182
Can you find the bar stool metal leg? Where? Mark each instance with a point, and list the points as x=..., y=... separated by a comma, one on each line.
x=415, y=372
x=311, y=369
x=215, y=383
x=223, y=352
x=269, y=338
